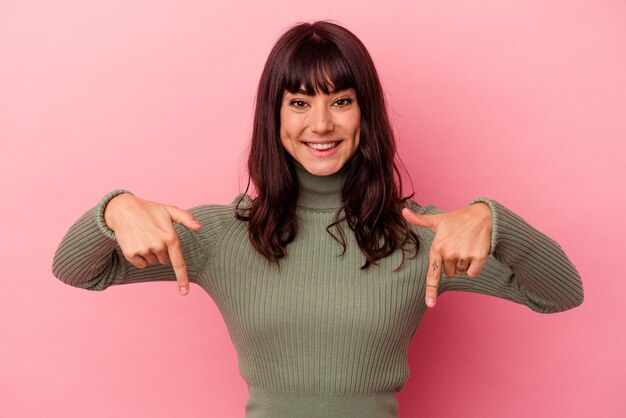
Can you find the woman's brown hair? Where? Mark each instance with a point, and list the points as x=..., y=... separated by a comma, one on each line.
x=322, y=57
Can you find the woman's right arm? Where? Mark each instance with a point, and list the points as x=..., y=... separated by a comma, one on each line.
x=125, y=239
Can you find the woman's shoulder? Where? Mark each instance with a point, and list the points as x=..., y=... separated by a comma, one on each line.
x=217, y=220
x=221, y=211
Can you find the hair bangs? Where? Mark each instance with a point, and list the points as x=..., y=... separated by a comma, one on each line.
x=318, y=66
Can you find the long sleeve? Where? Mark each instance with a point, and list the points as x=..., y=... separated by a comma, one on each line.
x=524, y=265
x=89, y=257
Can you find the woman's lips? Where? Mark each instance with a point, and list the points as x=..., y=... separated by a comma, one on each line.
x=322, y=146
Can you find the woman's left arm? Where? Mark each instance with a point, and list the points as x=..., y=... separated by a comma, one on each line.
x=487, y=248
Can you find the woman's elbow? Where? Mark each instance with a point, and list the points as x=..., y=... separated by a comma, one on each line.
x=566, y=299
x=76, y=279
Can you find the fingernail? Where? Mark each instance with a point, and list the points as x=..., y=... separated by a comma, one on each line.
x=183, y=290
x=430, y=302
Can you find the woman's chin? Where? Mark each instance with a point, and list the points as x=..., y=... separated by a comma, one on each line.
x=322, y=169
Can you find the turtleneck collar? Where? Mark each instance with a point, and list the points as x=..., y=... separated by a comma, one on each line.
x=319, y=192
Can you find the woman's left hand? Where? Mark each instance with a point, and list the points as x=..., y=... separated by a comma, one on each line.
x=461, y=244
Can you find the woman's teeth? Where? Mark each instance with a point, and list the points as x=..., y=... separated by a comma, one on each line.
x=322, y=146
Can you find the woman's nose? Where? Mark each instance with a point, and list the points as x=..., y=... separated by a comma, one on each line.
x=321, y=120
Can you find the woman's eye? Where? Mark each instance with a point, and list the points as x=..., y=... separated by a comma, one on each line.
x=298, y=103
x=343, y=102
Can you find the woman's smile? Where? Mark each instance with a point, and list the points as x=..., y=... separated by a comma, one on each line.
x=323, y=149
x=325, y=146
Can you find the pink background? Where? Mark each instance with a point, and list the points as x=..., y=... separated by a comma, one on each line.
x=521, y=101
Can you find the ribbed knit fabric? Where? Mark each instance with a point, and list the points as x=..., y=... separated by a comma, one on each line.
x=318, y=336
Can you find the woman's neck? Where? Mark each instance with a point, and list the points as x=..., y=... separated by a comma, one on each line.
x=319, y=192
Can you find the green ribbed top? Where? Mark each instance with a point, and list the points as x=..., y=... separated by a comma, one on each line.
x=319, y=337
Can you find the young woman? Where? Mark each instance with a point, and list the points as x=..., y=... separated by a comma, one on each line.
x=325, y=273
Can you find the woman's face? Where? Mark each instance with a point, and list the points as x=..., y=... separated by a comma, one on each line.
x=321, y=132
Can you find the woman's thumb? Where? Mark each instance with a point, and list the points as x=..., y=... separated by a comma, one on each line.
x=419, y=220
x=183, y=217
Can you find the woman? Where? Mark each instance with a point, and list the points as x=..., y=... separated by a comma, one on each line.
x=321, y=280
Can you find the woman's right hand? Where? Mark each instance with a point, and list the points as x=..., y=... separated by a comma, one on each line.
x=146, y=235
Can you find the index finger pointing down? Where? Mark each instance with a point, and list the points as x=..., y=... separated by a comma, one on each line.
x=432, y=279
x=180, y=266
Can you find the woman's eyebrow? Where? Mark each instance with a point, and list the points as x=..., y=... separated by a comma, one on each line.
x=299, y=91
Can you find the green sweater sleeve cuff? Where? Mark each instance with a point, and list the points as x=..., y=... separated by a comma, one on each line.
x=494, y=206
x=100, y=212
